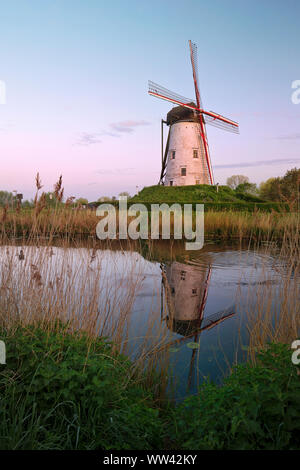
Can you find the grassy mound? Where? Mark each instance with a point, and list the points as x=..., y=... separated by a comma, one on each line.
x=194, y=193
x=225, y=199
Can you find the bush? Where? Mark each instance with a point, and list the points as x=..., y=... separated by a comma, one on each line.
x=285, y=189
x=258, y=407
x=59, y=392
x=248, y=197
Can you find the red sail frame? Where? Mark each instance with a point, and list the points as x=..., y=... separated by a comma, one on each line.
x=193, y=52
x=210, y=117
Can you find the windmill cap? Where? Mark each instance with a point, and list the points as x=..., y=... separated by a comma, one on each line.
x=180, y=113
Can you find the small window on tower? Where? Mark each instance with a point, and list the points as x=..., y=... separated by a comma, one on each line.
x=183, y=171
x=195, y=153
x=173, y=152
x=182, y=275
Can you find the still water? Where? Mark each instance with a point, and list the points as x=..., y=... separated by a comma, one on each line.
x=195, y=305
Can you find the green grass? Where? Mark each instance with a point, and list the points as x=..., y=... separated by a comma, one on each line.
x=193, y=193
x=223, y=199
x=258, y=407
x=59, y=390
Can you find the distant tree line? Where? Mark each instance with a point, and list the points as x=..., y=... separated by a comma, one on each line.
x=281, y=189
x=50, y=199
x=285, y=189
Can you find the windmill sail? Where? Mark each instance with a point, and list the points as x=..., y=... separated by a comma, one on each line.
x=163, y=93
x=202, y=130
x=194, y=61
x=211, y=117
x=216, y=120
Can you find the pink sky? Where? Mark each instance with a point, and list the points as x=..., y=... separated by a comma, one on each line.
x=77, y=101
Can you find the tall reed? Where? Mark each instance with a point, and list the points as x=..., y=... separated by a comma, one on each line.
x=95, y=291
x=273, y=310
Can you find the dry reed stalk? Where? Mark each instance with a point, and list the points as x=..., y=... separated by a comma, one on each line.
x=67, y=222
x=273, y=314
x=47, y=285
x=79, y=288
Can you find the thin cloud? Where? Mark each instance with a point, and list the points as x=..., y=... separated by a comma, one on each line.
x=118, y=128
x=259, y=163
x=89, y=139
x=127, y=126
x=116, y=171
x=6, y=126
x=295, y=136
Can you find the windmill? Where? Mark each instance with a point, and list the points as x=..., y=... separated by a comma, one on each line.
x=186, y=158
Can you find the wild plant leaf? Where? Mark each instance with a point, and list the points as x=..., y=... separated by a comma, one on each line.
x=193, y=345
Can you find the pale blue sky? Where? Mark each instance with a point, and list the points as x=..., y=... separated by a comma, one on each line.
x=76, y=74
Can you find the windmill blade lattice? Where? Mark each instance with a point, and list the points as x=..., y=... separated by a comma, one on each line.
x=163, y=93
x=221, y=123
x=194, y=60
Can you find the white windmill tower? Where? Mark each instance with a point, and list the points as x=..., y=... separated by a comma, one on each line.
x=186, y=159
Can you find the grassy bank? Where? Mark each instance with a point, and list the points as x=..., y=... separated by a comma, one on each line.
x=60, y=390
x=65, y=386
x=218, y=199
x=202, y=193
x=67, y=223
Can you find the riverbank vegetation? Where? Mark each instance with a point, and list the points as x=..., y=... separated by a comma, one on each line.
x=68, y=223
x=230, y=214
x=68, y=382
x=60, y=390
x=279, y=194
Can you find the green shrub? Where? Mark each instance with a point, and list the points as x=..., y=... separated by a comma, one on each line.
x=57, y=392
x=258, y=407
x=248, y=197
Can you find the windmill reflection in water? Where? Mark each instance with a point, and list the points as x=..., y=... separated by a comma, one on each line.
x=184, y=294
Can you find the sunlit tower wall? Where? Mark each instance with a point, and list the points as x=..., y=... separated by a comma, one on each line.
x=186, y=160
